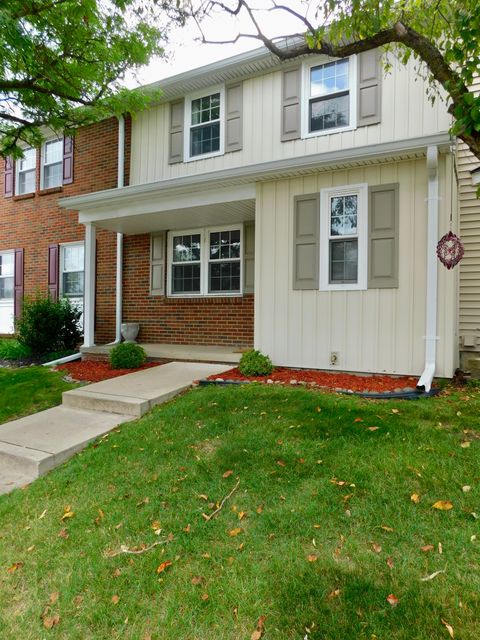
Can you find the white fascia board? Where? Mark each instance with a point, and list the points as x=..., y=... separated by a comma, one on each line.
x=253, y=172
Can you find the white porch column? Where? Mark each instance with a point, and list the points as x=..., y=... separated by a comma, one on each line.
x=89, y=293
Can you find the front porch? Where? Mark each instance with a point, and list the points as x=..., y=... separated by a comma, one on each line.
x=178, y=352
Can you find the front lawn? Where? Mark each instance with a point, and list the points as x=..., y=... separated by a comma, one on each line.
x=332, y=516
x=29, y=389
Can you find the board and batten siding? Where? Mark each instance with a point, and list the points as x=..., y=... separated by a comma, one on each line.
x=377, y=330
x=469, y=213
x=406, y=113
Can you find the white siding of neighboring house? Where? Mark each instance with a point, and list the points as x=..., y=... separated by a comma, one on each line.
x=469, y=302
x=375, y=330
x=406, y=113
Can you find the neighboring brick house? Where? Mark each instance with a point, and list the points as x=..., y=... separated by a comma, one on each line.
x=42, y=245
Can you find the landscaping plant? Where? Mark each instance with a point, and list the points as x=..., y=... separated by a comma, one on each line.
x=255, y=363
x=48, y=325
x=127, y=355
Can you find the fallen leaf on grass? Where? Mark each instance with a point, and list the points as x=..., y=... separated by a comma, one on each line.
x=386, y=528
x=63, y=533
x=465, y=444
x=100, y=517
x=227, y=474
x=242, y=515
x=390, y=562
x=54, y=597
x=162, y=567
x=392, y=600
x=376, y=547
x=281, y=463
x=67, y=513
x=204, y=597
x=427, y=547
x=15, y=566
x=373, y=428
x=43, y=514
x=432, y=575
x=260, y=629
x=358, y=420
x=260, y=508
x=443, y=505
x=334, y=594
x=234, y=532
x=312, y=558
x=448, y=627
x=51, y=621
x=142, y=502
x=196, y=580
x=466, y=488
x=415, y=498
x=202, y=496
x=187, y=528
x=395, y=411
x=440, y=548
x=115, y=599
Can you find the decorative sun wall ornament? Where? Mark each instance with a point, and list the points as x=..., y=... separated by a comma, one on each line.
x=450, y=250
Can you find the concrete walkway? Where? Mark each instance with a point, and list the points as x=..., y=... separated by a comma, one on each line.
x=32, y=446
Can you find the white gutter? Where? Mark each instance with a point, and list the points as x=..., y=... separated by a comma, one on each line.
x=52, y=363
x=431, y=337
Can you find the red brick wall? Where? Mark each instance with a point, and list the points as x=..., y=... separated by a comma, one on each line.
x=207, y=321
x=34, y=221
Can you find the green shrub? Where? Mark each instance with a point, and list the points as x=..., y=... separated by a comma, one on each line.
x=48, y=325
x=127, y=355
x=254, y=363
x=11, y=349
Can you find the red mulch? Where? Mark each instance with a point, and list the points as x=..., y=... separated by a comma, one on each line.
x=335, y=381
x=92, y=371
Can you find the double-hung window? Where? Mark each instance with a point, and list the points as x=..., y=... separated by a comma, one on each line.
x=72, y=270
x=6, y=276
x=52, y=164
x=26, y=172
x=343, y=237
x=205, y=262
x=329, y=103
x=204, y=124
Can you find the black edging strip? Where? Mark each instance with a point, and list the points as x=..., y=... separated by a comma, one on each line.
x=399, y=395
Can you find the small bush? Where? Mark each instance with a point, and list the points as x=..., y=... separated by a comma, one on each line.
x=13, y=350
x=127, y=355
x=48, y=325
x=254, y=363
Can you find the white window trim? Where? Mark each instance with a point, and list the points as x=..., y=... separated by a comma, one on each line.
x=8, y=301
x=352, y=88
x=204, y=233
x=188, y=119
x=43, y=164
x=17, y=174
x=61, y=246
x=360, y=190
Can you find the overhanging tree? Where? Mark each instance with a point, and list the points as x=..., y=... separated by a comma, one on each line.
x=442, y=34
x=61, y=62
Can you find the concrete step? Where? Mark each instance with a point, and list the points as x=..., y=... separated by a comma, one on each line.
x=35, y=444
x=10, y=480
x=136, y=393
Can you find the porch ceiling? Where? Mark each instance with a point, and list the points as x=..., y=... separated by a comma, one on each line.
x=184, y=218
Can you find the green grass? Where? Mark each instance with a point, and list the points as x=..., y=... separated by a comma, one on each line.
x=158, y=469
x=29, y=389
x=11, y=349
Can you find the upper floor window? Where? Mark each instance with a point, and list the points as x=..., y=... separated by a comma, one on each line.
x=204, y=115
x=330, y=92
x=52, y=164
x=26, y=172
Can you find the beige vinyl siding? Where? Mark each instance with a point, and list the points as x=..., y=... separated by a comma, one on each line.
x=406, y=113
x=469, y=204
x=375, y=330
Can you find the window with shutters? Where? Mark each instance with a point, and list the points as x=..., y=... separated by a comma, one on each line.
x=329, y=101
x=26, y=172
x=52, y=164
x=344, y=237
x=204, y=124
x=6, y=275
x=72, y=270
x=206, y=261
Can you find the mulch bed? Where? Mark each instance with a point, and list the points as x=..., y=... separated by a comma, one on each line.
x=328, y=380
x=91, y=371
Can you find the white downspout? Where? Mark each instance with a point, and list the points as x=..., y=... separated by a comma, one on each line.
x=119, y=255
x=431, y=337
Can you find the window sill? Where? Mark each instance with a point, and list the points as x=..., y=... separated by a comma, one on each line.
x=46, y=192
x=23, y=196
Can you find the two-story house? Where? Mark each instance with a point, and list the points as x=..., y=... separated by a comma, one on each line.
x=294, y=206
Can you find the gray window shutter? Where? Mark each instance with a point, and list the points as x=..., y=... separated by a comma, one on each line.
x=248, y=257
x=234, y=117
x=175, y=152
x=157, y=264
x=306, y=239
x=383, y=236
x=291, y=91
x=369, y=87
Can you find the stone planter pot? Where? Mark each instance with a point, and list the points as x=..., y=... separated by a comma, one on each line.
x=130, y=331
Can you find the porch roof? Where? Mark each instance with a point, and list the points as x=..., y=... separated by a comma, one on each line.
x=200, y=198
